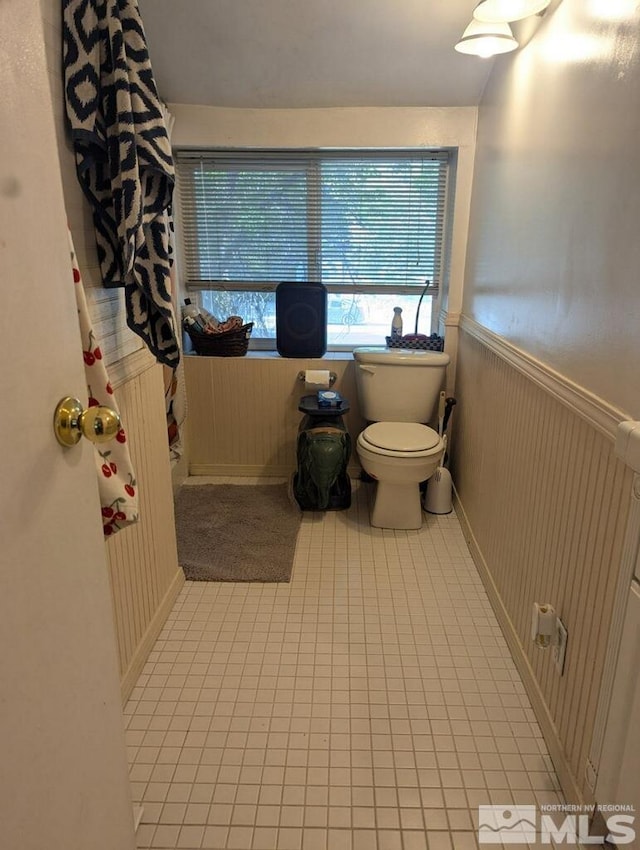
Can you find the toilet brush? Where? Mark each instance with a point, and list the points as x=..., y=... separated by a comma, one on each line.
x=439, y=488
x=441, y=467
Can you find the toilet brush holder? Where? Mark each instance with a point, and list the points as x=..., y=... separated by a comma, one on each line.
x=438, y=499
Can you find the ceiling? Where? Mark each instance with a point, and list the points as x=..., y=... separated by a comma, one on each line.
x=312, y=53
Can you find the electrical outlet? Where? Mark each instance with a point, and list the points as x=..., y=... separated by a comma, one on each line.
x=560, y=645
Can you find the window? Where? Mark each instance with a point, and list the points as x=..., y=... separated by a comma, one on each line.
x=370, y=225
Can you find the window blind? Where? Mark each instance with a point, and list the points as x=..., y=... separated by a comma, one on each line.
x=354, y=220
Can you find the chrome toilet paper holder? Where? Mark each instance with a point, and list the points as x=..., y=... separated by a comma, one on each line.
x=332, y=377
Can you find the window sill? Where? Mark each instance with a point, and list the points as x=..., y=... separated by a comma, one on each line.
x=258, y=354
x=329, y=355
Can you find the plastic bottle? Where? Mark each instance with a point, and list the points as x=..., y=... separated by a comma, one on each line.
x=191, y=316
x=190, y=324
x=209, y=318
x=396, y=324
x=189, y=310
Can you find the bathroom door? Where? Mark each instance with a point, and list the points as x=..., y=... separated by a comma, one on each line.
x=63, y=774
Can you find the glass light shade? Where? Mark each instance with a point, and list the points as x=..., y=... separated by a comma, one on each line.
x=501, y=11
x=482, y=39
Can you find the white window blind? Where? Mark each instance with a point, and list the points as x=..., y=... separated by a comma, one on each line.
x=357, y=221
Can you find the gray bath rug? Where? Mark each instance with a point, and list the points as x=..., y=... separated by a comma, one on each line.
x=236, y=532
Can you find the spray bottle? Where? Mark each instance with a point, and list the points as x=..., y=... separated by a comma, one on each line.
x=396, y=324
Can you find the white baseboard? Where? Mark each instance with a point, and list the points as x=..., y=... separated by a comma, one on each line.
x=252, y=470
x=138, y=811
x=130, y=676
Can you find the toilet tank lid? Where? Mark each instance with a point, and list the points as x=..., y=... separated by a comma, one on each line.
x=408, y=357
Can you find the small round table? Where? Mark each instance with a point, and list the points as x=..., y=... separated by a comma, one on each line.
x=323, y=450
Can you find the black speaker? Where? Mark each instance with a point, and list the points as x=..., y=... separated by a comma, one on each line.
x=301, y=319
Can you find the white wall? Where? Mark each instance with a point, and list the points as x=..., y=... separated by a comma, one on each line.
x=554, y=250
x=549, y=349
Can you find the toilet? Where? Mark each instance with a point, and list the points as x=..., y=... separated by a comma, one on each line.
x=398, y=390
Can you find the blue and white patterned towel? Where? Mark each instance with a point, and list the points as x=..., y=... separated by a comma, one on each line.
x=123, y=160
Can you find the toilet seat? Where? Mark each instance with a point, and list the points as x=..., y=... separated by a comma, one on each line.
x=400, y=439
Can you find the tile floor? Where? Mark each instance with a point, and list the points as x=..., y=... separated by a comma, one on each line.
x=370, y=704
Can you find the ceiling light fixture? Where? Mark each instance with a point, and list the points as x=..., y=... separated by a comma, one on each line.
x=502, y=11
x=484, y=39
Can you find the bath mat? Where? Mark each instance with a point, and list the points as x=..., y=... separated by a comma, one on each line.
x=236, y=532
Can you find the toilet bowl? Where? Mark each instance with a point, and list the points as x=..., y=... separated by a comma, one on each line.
x=398, y=455
x=398, y=392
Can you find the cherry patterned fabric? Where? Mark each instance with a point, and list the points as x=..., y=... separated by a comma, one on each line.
x=116, y=477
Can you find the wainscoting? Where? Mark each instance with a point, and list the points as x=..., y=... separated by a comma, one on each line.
x=142, y=558
x=544, y=502
x=243, y=413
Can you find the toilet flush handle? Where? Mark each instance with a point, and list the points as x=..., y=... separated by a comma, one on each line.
x=370, y=369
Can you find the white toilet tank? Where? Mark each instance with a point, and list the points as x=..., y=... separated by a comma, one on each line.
x=399, y=385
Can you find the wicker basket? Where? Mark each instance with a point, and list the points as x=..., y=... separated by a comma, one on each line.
x=431, y=343
x=232, y=343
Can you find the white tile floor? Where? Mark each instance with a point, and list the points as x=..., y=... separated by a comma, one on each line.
x=370, y=704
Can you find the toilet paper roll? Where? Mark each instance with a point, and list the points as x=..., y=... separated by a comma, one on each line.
x=317, y=379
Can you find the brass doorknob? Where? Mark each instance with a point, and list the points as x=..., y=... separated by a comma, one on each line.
x=71, y=422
